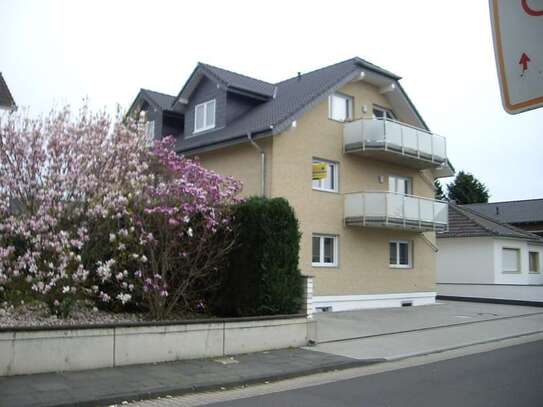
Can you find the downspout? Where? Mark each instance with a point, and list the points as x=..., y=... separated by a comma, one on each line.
x=262, y=165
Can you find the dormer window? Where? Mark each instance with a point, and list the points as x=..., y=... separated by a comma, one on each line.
x=204, y=116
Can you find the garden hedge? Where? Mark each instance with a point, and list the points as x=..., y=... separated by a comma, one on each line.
x=262, y=277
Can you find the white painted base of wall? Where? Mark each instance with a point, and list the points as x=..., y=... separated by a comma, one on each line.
x=493, y=291
x=352, y=302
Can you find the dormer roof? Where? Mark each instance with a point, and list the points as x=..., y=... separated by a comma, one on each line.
x=6, y=99
x=229, y=80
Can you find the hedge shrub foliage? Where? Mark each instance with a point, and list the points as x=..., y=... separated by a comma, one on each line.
x=262, y=277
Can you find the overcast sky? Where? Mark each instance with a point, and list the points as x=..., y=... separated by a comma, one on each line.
x=57, y=52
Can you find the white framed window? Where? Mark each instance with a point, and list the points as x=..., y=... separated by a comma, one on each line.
x=383, y=113
x=400, y=185
x=340, y=107
x=400, y=254
x=324, y=251
x=510, y=260
x=204, y=116
x=330, y=182
x=150, y=129
x=533, y=260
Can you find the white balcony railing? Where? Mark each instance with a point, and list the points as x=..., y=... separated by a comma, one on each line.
x=394, y=136
x=390, y=209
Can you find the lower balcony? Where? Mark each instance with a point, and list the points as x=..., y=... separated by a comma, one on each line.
x=395, y=211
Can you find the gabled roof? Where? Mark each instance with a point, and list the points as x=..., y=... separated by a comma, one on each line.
x=464, y=222
x=230, y=80
x=241, y=82
x=293, y=97
x=6, y=99
x=525, y=211
x=162, y=100
x=158, y=100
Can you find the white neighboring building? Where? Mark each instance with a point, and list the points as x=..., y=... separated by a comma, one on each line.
x=480, y=258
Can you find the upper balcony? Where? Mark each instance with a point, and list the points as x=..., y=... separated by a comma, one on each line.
x=395, y=211
x=396, y=142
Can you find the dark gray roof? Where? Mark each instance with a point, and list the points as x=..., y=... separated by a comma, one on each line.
x=242, y=82
x=162, y=100
x=293, y=97
x=464, y=222
x=6, y=99
x=526, y=211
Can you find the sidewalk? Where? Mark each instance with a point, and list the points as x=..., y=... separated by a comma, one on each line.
x=394, y=346
x=115, y=385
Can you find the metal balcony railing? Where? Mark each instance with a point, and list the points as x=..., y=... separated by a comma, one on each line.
x=394, y=210
x=380, y=134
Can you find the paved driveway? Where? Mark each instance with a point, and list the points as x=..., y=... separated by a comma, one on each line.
x=335, y=326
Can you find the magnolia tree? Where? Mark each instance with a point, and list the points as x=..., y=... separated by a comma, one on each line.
x=170, y=241
x=89, y=211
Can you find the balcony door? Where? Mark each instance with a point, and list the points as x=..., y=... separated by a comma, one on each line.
x=400, y=185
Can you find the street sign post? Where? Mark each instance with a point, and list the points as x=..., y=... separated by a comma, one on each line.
x=517, y=27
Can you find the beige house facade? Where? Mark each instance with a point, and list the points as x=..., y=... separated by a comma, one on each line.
x=368, y=221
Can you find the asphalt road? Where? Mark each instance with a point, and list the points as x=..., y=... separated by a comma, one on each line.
x=508, y=377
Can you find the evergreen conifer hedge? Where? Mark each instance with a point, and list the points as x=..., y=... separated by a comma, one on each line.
x=262, y=277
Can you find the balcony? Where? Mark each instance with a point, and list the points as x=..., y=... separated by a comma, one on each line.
x=395, y=211
x=393, y=141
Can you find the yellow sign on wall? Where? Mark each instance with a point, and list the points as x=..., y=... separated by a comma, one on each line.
x=320, y=171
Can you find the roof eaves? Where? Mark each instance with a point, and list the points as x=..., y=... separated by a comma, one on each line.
x=241, y=138
x=368, y=65
x=410, y=102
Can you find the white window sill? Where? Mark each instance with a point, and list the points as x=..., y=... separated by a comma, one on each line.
x=510, y=272
x=400, y=266
x=340, y=121
x=534, y=272
x=324, y=265
x=333, y=191
x=197, y=132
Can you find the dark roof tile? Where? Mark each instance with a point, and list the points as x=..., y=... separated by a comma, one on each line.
x=525, y=211
x=243, y=82
x=464, y=222
x=163, y=100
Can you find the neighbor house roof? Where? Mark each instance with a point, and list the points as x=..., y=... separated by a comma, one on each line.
x=526, y=211
x=289, y=99
x=6, y=99
x=464, y=222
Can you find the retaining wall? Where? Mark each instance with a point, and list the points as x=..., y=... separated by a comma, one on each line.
x=38, y=350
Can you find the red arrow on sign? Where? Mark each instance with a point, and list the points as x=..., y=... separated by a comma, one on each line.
x=524, y=59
